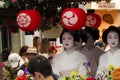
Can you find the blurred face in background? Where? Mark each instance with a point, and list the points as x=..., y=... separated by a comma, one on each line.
x=67, y=40
x=38, y=41
x=113, y=39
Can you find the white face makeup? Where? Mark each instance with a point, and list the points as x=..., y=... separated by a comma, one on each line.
x=67, y=40
x=113, y=39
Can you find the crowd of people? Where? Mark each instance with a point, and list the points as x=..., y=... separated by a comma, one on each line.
x=81, y=53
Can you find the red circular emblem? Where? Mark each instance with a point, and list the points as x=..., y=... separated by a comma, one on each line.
x=73, y=18
x=28, y=20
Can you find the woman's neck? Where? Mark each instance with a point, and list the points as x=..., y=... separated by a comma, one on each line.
x=114, y=49
x=70, y=50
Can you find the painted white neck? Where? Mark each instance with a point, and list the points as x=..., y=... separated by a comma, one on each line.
x=70, y=50
x=114, y=49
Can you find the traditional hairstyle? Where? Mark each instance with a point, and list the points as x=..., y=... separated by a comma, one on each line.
x=94, y=32
x=74, y=33
x=105, y=33
x=83, y=35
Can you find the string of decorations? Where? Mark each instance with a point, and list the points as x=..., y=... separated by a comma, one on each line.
x=50, y=10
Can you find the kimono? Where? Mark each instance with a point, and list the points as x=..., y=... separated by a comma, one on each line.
x=108, y=60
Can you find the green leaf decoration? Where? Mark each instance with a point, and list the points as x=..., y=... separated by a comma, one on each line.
x=7, y=3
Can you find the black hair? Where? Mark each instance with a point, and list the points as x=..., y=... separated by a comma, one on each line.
x=40, y=64
x=74, y=33
x=83, y=35
x=105, y=33
x=5, y=53
x=94, y=32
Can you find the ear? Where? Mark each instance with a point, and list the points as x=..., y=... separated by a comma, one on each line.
x=38, y=76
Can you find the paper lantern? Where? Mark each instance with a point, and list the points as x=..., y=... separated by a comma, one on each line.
x=73, y=18
x=28, y=20
x=83, y=7
x=93, y=20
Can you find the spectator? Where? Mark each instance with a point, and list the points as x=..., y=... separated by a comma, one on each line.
x=40, y=68
x=4, y=57
x=5, y=53
x=37, y=43
x=52, y=53
x=15, y=60
x=30, y=53
x=45, y=47
x=22, y=53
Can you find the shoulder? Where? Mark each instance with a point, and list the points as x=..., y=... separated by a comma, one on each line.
x=104, y=55
x=45, y=55
x=79, y=53
x=59, y=56
x=80, y=56
x=118, y=50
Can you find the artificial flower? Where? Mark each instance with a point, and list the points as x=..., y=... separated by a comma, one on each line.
x=2, y=64
x=82, y=77
x=111, y=67
x=87, y=65
x=90, y=78
x=2, y=4
x=106, y=75
x=74, y=73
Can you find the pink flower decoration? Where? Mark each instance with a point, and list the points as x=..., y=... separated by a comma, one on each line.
x=13, y=1
x=2, y=64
